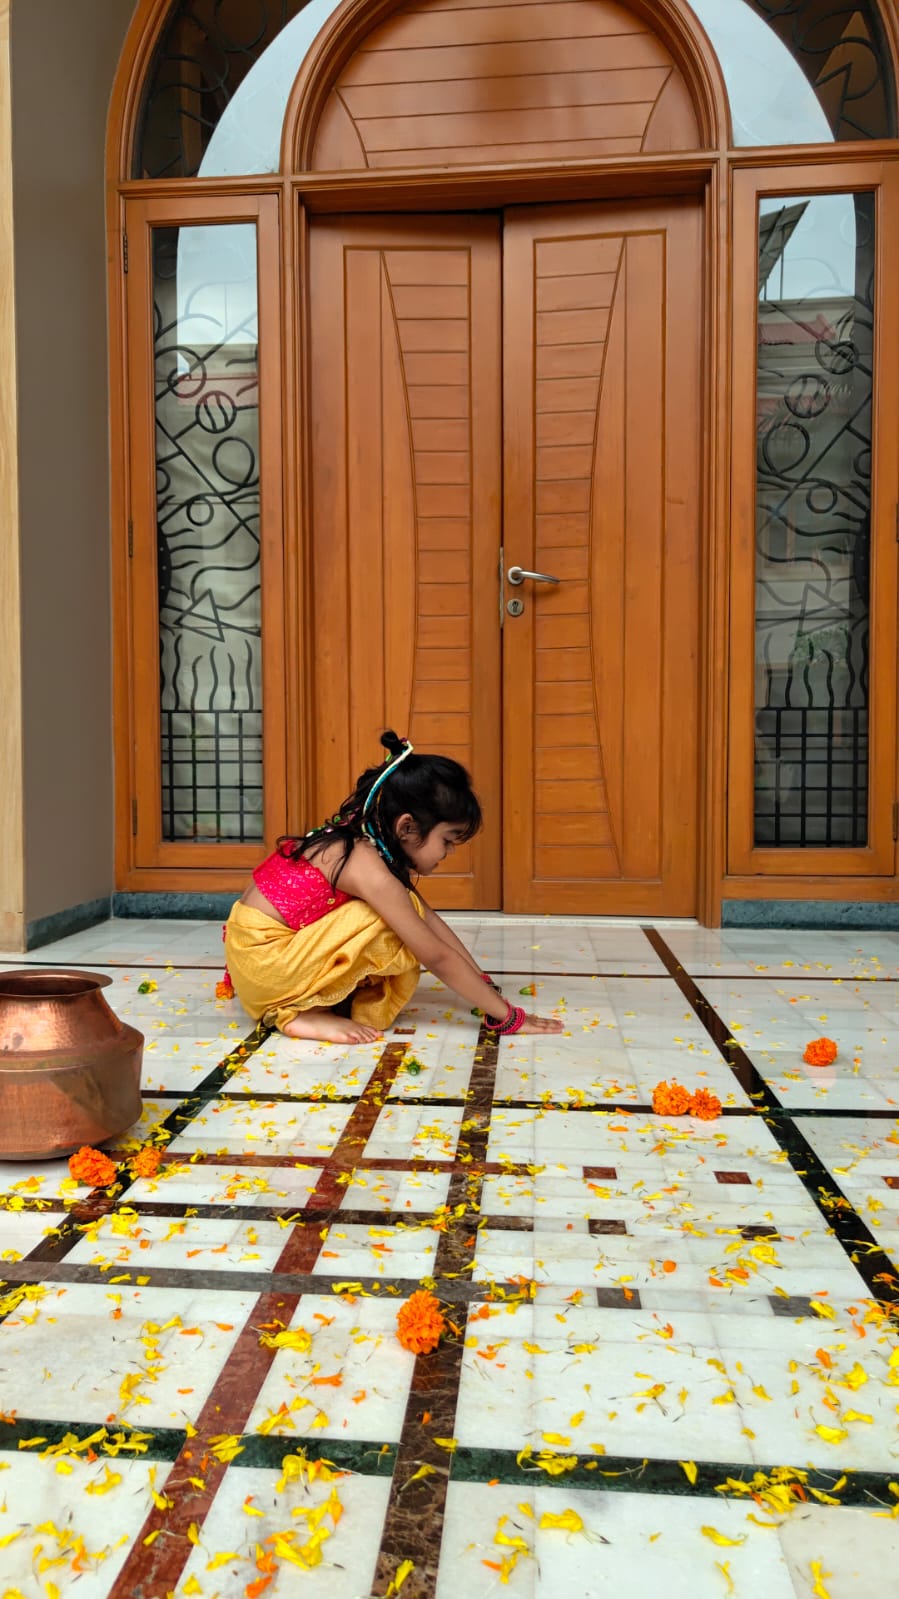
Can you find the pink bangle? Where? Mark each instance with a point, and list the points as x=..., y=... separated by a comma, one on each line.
x=512, y=1023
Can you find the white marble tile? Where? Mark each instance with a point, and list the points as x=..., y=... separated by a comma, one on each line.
x=773, y=1022
x=592, y=1384
x=257, y=1510
x=131, y=1242
x=47, y=1507
x=154, y=1114
x=22, y=1231
x=352, y=1250
x=295, y=1066
x=790, y=952
x=629, y=1544
x=850, y=1551
x=182, y=1184
x=378, y=1190
x=85, y=1352
x=355, y=1342
x=265, y=1127
x=404, y=1131
x=181, y=1063
x=513, y=944
x=37, y=1179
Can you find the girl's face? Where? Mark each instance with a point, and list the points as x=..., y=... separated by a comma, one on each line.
x=424, y=853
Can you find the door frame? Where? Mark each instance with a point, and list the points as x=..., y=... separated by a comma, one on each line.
x=443, y=193
x=289, y=667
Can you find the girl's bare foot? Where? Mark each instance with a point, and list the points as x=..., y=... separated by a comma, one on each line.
x=327, y=1028
x=541, y=1024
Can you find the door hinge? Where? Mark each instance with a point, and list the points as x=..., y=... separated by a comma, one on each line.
x=124, y=252
x=130, y=538
x=134, y=817
x=895, y=821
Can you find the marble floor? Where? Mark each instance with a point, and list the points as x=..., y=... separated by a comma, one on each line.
x=670, y=1361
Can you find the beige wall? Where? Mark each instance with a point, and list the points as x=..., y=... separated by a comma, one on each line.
x=12, y=885
x=64, y=55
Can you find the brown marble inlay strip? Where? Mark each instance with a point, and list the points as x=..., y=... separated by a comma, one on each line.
x=157, y=1569
x=414, y=1163
x=413, y=1525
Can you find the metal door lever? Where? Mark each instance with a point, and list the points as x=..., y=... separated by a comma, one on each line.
x=517, y=574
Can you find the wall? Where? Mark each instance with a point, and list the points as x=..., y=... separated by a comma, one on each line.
x=64, y=56
x=11, y=865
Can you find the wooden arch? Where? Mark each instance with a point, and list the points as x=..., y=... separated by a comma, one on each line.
x=355, y=22
x=346, y=30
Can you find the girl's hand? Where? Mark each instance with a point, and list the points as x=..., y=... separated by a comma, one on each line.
x=539, y=1024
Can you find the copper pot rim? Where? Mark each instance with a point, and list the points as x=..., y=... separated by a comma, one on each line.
x=56, y=983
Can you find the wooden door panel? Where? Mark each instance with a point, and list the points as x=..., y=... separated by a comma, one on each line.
x=444, y=83
x=602, y=425
x=405, y=393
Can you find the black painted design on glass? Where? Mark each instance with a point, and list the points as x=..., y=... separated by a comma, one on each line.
x=203, y=77
x=814, y=390
x=841, y=49
x=205, y=53
x=207, y=506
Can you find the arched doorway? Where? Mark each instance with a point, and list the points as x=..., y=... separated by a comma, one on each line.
x=491, y=289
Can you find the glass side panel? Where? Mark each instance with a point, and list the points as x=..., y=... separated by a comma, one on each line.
x=813, y=520
x=207, y=499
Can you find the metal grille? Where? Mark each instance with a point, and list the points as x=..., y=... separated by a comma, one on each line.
x=812, y=787
x=204, y=54
x=212, y=775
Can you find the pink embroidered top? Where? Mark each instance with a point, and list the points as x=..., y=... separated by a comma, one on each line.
x=299, y=891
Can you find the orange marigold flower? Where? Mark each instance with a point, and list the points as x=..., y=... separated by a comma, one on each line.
x=92, y=1167
x=670, y=1099
x=705, y=1105
x=224, y=990
x=820, y=1052
x=147, y=1162
x=419, y=1323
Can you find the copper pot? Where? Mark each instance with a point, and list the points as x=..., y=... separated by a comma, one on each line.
x=69, y=1068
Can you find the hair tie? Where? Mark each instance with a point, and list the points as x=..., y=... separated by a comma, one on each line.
x=393, y=761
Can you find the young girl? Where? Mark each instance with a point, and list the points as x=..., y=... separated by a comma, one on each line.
x=333, y=915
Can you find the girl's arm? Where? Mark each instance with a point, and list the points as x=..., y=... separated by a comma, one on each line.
x=439, y=926
x=366, y=877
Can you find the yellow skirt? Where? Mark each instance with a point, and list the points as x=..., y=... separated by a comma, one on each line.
x=277, y=972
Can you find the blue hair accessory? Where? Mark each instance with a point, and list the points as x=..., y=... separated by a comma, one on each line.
x=390, y=768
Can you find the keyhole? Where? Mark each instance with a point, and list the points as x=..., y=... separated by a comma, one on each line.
x=515, y=607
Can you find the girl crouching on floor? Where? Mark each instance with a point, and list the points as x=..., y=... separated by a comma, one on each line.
x=333, y=916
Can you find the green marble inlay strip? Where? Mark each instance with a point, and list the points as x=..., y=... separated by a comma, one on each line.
x=629, y=1474
x=365, y=1457
x=36, y=1436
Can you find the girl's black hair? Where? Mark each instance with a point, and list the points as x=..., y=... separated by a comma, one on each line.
x=429, y=788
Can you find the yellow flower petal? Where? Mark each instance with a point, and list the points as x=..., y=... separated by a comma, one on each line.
x=819, y=1574
x=403, y=1571
x=567, y=1521
x=720, y=1538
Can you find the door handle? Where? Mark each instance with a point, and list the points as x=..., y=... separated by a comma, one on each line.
x=517, y=574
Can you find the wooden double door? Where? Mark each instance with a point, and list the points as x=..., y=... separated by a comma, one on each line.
x=507, y=391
